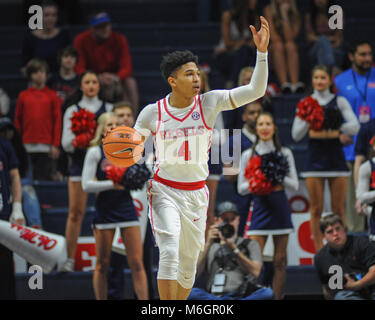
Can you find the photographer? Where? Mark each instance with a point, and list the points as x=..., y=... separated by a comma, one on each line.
x=233, y=264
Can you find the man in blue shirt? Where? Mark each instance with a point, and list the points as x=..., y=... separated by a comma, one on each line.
x=357, y=85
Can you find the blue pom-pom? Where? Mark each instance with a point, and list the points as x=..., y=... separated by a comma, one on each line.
x=275, y=167
x=333, y=119
x=135, y=177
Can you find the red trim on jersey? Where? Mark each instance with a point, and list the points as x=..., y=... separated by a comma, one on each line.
x=248, y=222
x=152, y=220
x=159, y=121
x=208, y=199
x=171, y=115
x=180, y=185
x=201, y=109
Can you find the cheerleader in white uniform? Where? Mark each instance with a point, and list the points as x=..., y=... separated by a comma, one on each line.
x=366, y=189
x=271, y=213
x=87, y=98
x=325, y=155
x=114, y=208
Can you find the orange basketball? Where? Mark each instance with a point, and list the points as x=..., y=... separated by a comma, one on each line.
x=123, y=146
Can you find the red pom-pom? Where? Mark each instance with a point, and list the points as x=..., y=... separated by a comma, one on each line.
x=83, y=126
x=372, y=184
x=83, y=121
x=311, y=111
x=258, y=182
x=82, y=140
x=115, y=173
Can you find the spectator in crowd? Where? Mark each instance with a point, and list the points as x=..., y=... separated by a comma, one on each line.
x=114, y=208
x=362, y=146
x=233, y=264
x=47, y=42
x=271, y=213
x=30, y=202
x=87, y=98
x=236, y=48
x=4, y=103
x=38, y=120
x=285, y=24
x=124, y=113
x=362, y=153
x=107, y=53
x=365, y=190
x=11, y=210
x=326, y=44
x=325, y=157
x=246, y=140
x=66, y=80
x=353, y=258
x=357, y=86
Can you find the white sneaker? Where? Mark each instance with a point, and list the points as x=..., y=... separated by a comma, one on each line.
x=286, y=88
x=298, y=87
x=68, y=266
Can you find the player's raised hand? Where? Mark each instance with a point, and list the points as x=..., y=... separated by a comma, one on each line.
x=261, y=37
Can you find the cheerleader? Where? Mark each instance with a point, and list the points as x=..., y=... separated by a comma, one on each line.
x=114, y=208
x=330, y=122
x=266, y=169
x=366, y=189
x=85, y=99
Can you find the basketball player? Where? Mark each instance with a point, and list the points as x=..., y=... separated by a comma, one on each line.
x=181, y=125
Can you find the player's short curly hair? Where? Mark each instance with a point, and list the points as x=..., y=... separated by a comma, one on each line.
x=174, y=60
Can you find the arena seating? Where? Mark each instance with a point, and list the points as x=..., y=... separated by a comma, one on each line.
x=163, y=26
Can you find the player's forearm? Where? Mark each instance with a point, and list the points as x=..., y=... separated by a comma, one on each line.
x=257, y=86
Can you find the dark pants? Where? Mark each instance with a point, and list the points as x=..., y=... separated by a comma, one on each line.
x=7, y=277
x=43, y=167
x=260, y=294
x=116, y=278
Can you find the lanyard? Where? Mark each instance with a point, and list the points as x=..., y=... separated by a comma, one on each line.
x=363, y=94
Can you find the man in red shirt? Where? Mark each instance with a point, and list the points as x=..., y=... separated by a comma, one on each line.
x=38, y=120
x=107, y=53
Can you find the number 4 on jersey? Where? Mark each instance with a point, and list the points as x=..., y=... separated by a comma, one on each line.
x=184, y=151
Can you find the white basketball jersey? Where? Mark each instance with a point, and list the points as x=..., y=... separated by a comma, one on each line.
x=182, y=145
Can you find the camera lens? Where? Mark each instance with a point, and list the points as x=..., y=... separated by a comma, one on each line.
x=227, y=230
